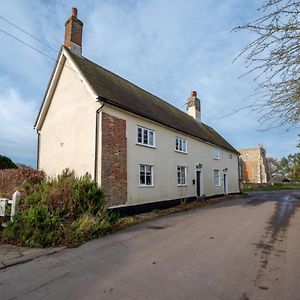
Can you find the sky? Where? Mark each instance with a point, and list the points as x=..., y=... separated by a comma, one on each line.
x=167, y=47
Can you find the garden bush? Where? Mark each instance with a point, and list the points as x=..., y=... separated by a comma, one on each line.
x=66, y=210
x=11, y=180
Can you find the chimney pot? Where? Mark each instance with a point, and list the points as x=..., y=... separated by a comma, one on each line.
x=194, y=94
x=74, y=12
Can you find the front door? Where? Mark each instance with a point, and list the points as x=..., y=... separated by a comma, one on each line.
x=198, y=183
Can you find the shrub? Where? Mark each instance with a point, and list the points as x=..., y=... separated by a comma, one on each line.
x=66, y=210
x=13, y=179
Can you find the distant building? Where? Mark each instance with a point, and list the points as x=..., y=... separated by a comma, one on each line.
x=253, y=165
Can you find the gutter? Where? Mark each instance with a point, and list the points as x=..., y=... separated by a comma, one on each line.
x=97, y=141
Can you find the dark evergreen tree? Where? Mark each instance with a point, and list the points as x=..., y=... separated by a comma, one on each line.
x=7, y=163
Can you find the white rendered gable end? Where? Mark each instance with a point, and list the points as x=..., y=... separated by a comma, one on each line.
x=64, y=61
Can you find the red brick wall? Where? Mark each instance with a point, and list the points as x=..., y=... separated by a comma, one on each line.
x=114, y=160
x=73, y=32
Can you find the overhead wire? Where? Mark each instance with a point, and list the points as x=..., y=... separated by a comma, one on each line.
x=30, y=46
x=35, y=49
x=26, y=44
x=28, y=33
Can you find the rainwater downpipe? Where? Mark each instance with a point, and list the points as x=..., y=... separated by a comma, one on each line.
x=97, y=142
x=38, y=149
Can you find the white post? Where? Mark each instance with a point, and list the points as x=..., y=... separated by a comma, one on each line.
x=15, y=199
x=3, y=203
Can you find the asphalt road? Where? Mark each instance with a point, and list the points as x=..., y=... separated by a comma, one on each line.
x=240, y=249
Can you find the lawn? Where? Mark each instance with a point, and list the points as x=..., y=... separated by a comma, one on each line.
x=270, y=187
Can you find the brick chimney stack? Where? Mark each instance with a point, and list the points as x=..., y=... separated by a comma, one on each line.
x=73, y=33
x=194, y=106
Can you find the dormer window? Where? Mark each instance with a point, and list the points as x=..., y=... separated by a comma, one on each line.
x=181, y=145
x=145, y=136
x=216, y=153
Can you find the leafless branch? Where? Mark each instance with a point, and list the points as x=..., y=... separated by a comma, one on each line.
x=274, y=57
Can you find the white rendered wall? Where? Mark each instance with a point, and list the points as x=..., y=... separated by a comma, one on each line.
x=165, y=159
x=67, y=138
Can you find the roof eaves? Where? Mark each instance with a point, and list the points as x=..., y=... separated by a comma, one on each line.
x=48, y=86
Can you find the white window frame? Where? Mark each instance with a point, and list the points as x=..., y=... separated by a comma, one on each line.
x=216, y=153
x=152, y=176
x=230, y=156
x=219, y=177
x=180, y=142
x=147, y=144
x=185, y=175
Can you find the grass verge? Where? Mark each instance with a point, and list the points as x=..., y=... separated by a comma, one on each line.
x=271, y=187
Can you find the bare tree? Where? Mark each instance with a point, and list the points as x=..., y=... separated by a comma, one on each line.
x=272, y=167
x=274, y=56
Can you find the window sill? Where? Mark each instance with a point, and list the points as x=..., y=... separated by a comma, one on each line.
x=145, y=186
x=181, y=152
x=144, y=145
x=182, y=185
x=216, y=158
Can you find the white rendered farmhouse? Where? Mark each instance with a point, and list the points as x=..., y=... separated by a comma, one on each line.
x=138, y=147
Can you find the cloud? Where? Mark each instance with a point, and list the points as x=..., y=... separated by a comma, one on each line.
x=167, y=47
x=17, y=137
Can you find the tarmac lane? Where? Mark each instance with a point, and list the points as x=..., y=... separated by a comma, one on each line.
x=246, y=248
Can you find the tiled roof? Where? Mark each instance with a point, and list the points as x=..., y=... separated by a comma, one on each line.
x=119, y=92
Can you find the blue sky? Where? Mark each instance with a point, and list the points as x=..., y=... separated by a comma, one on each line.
x=168, y=47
